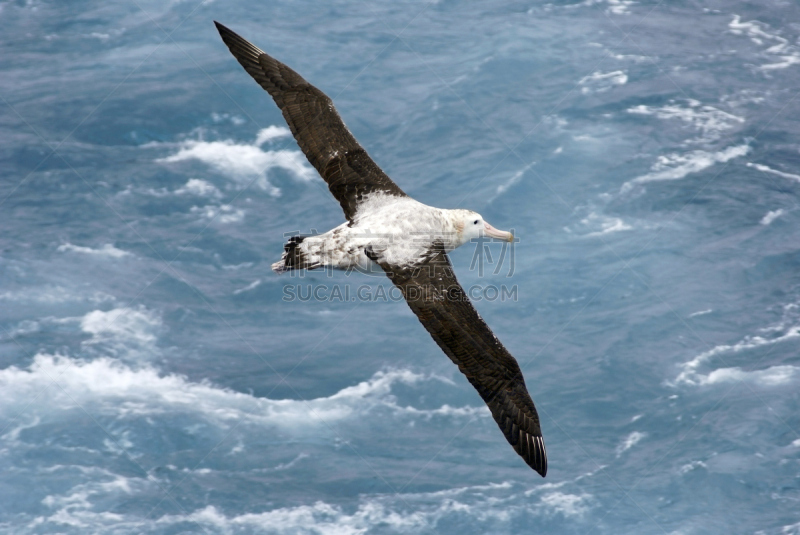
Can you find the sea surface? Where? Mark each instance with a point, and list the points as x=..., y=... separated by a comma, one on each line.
x=156, y=377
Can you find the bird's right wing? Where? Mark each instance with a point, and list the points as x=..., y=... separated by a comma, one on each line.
x=320, y=132
x=435, y=296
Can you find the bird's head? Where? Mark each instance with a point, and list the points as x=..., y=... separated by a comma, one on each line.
x=470, y=225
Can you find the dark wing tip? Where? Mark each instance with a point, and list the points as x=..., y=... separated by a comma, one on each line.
x=222, y=29
x=530, y=447
x=537, y=455
x=235, y=41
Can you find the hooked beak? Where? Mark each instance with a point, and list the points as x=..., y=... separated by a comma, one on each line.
x=499, y=234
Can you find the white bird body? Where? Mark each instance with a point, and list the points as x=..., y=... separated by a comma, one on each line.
x=400, y=230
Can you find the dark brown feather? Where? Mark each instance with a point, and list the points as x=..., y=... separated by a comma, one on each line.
x=321, y=134
x=435, y=296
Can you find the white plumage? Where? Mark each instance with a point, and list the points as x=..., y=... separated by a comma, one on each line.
x=400, y=230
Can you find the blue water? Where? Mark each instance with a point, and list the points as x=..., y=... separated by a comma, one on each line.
x=153, y=379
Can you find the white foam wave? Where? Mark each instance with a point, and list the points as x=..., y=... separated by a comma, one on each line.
x=785, y=61
x=194, y=186
x=252, y=286
x=709, y=121
x=765, y=169
x=692, y=375
x=678, y=166
x=630, y=441
x=104, y=36
x=629, y=57
x=122, y=332
x=326, y=519
x=615, y=7
x=774, y=375
x=484, y=506
x=513, y=180
x=694, y=465
x=771, y=216
x=293, y=462
x=198, y=187
x=106, y=250
x=223, y=117
x=224, y=213
x=236, y=267
x=76, y=509
x=752, y=29
x=791, y=529
x=619, y=7
x=112, y=387
x=245, y=162
x=566, y=504
x=777, y=47
x=12, y=434
x=489, y=508
x=117, y=394
x=549, y=486
x=604, y=224
x=271, y=133
x=599, y=82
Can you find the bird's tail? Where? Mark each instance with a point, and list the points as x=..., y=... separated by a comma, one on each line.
x=296, y=256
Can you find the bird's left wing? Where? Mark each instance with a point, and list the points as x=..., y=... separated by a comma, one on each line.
x=435, y=296
x=320, y=132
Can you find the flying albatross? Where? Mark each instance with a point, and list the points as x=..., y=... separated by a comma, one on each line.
x=408, y=240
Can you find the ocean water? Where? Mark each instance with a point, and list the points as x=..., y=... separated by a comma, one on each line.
x=156, y=377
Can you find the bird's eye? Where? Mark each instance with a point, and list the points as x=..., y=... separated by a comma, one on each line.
x=476, y=221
